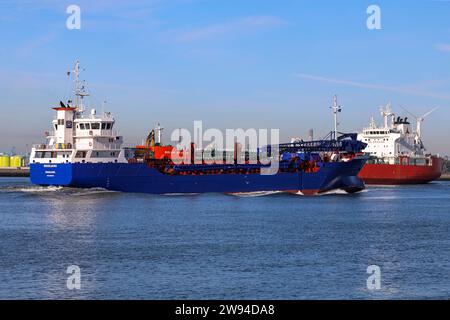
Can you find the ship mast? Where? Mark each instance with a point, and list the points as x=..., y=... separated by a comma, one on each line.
x=80, y=91
x=159, y=130
x=336, y=109
x=372, y=124
x=386, y=113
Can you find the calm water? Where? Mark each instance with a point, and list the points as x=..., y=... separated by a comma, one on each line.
x=224, y=247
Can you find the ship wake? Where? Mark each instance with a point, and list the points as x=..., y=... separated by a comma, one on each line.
x=254, y=194
x=54, y=190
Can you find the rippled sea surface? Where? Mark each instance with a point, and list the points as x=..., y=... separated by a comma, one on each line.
x=137, y=246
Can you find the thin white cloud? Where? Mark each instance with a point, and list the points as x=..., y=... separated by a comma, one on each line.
x=411, y=91
x=445, y=47
x=106, y=14
x=33, y=45
x=239, y=25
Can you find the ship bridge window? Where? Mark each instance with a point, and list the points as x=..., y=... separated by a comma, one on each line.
x=61, y=121
x=82, y=126
x=104, y=154
x=108, y=126
x=95, y=126
x=56, y=127
x=88, y=126
x=80, y=154
x=103, y=125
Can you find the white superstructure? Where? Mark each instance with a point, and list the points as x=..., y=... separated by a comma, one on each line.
x=80, y=137
x=395, y=138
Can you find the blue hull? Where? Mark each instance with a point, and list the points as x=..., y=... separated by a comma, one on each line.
x=138, y=177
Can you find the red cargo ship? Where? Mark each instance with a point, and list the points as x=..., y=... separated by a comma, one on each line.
x=405, y=173
x=397, y=154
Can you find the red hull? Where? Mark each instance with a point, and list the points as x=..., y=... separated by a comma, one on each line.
x=392, y=174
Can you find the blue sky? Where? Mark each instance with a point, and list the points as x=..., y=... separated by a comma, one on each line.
x=230, y=63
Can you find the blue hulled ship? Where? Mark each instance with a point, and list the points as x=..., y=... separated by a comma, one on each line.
x=85, y=151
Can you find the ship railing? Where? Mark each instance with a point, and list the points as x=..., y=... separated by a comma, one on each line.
x=39, y=146
x=376, y=160
x=96, y=133
x=206, y=167
x=105, y=116
x=346, y=142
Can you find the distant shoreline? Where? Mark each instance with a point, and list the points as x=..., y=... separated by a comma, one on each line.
x=14, y=172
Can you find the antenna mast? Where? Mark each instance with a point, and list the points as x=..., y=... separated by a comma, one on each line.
x=336, y=109
x=372, y=123
x=159, y=130
x=80, y=91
